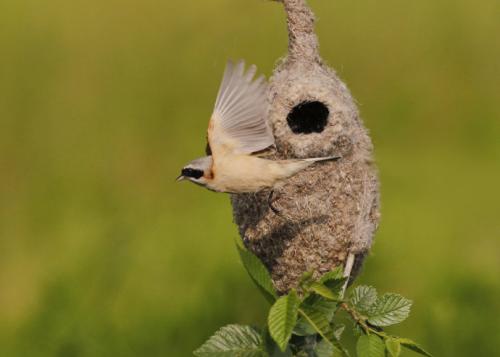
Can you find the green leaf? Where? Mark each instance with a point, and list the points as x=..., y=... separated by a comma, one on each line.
x=336, y=285
x=409, y=344
x=257, y=271
x=319, y=322
x=363, y=297
x=325, y=307
x=272, y=348
x=283, y=317
x=306, y=280
x=357, y=330
x=323, y=349
x=326, y=349
x=334, y=280
x=388, y=310
x=233, y=340
x=323, y=291
x=277, y=353
x=370, y=346
x=328, y=286
x=303, y=328
x=393, y=346
x=337, y=273
x=338, y=330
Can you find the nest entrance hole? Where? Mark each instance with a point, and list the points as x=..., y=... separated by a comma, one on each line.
x=308, y=117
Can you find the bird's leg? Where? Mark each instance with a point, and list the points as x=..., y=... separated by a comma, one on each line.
x=270, y=203
x=347, y=273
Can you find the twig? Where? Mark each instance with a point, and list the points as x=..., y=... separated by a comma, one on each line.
x=347, y=273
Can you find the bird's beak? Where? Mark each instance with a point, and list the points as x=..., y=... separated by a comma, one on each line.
x=180, y=178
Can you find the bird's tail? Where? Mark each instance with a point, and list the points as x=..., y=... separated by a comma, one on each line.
x=327, y=158
x=289, y=168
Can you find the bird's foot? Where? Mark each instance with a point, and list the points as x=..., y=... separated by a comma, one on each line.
x=270, y=203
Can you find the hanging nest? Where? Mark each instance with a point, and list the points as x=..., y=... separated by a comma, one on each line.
x=330, y=211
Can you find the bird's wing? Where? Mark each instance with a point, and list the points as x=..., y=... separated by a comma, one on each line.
x=238, y=123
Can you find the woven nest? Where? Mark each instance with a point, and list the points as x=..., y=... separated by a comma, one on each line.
x=330, y=210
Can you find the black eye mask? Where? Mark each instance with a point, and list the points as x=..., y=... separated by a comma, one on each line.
x=194, y=173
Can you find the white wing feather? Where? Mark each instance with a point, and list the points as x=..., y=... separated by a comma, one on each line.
x=239, y=118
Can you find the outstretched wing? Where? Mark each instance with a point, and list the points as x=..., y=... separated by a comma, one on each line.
x=238, y=123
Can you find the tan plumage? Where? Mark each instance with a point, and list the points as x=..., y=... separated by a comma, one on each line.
x=236, y=130
x=245, y=173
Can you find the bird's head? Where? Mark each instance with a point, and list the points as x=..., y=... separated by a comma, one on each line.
x=197, y=171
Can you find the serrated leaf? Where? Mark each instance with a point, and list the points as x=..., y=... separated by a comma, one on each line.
x=337, y=273
x=323, y=291
x=233, y=340
x=393, y=346
x=363, y=297
x=283, y=317
x=336, y=285
x=389, y=309
x=318, y=321
x=257, y=271
x=411, y=345
x=370, y=346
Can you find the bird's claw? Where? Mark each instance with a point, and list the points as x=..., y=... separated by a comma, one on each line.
x=270, y=204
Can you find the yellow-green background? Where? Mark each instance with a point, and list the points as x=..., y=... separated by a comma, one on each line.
x=103, y=101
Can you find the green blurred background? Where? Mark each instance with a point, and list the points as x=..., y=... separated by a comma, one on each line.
x=103, y=101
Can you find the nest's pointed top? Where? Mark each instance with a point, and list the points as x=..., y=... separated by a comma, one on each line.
x=302, y=40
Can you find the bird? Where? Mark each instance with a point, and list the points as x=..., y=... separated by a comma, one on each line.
x=237, y=133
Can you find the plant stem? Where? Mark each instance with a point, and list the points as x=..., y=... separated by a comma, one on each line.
x=360, y=320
